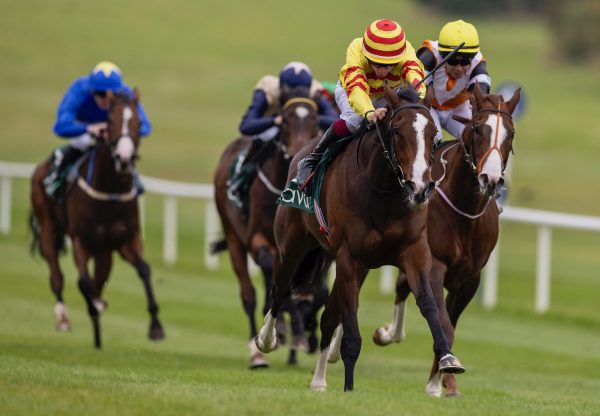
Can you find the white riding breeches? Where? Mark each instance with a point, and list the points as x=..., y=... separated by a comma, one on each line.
x=443, y=119
x=82, y=142
x=353, y=120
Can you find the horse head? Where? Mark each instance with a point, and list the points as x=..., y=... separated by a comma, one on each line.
x=488, y=138
x=123, y=130
x=411, y=130
x=300, y=119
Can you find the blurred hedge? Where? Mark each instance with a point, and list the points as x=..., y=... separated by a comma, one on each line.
x=574, y=25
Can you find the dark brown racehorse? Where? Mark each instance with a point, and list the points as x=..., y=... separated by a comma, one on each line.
x=100, y=215
x=374, y=198
x=254, y=234
x=463, y=220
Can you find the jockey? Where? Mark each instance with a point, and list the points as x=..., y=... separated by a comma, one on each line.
x=262, y=119
x=459, y=76
x=82, y=116
x=382, y=54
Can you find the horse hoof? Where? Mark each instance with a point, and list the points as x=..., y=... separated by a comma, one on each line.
x=452, y=394
x=299, y=343
x=258, y=361
x=63, y=326
x=434, y=389
x=264, y=347
x=318, y=386
x=100, y=304
x=156, y=333
x=450, y=364
x=381, y=337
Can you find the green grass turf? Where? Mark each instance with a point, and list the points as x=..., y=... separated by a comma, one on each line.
x=196, y=64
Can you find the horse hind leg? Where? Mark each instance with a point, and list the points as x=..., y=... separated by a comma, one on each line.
x=49, y=238
x=395, y=331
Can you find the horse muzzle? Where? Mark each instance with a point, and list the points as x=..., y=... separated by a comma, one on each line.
x=489, y=186
x=419, y=197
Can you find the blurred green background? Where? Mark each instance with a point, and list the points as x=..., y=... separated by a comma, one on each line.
x=196, y=64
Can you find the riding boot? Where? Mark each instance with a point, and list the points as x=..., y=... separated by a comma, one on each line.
x=237, y=178
x=307, y=165
x=62, y=158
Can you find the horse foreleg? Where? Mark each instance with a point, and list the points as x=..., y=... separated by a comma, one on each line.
x=85, y=284
x=456, y=302
x=350, y=275
x=420, y=285
x=330, y=343
x=132, y=253
x=102, y=267
x=395, y=332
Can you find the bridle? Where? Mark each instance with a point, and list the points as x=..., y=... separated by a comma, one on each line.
x=124, y=135
x=469, y=156
x=390, y=154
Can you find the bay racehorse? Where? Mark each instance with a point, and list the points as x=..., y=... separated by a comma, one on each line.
x=374, y=198
x=99, y=214
x=252, y=232
x=463, y=220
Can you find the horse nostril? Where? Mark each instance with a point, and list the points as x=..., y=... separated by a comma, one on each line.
x=429, y=189
x=500, y=182
x=410, y=186
x=484, y=180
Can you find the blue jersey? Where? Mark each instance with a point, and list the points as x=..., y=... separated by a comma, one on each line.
x=78, y=108
x=265, y=106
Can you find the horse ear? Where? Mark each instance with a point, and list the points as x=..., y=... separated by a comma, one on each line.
x=428, y=97
x=136, y=95
x=478, y=94
x=512, y=103
x=460, y=119
x=111, y=96
x=390, y=95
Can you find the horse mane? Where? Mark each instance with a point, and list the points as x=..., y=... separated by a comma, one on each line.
x=408, y=93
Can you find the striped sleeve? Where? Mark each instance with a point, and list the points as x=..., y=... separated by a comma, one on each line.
x=412, y=70
x=354, y=80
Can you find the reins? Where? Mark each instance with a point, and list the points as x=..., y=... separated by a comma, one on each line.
x=390, y=154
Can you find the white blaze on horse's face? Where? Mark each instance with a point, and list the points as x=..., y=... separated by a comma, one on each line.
x=302, y=112
x=492, y=165
x=125, y=146
x=420, y=165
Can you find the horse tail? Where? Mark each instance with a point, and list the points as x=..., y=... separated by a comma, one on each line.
x=34, y=227
x=310, y=274
x=218, y=246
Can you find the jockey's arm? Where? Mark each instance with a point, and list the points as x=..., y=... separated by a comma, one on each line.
x=254, y=121
x=480, y=74
x=66, y=124
x=327, y=114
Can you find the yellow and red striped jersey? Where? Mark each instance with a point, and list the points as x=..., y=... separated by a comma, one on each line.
x=361, y=83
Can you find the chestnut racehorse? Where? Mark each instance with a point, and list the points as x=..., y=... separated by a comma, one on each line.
x=463, y=220
x=254, y=233
x=374, y=199
x=100, y=215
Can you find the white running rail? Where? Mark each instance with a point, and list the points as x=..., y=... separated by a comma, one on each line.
x=172, y=190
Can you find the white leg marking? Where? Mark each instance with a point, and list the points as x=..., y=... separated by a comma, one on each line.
x=319, y=382
x=335, y=344
x=61, y=316
x=395, y=331
x=267, y=337
x=434, y=386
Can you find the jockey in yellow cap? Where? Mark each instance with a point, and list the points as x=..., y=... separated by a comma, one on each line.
x=381, y=55
x=459, y=76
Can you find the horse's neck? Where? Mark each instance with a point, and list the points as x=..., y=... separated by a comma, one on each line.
x=104, y=176
x=275, y=167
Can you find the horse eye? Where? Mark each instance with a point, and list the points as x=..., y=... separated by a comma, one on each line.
x=477, y=128
x=395, y=131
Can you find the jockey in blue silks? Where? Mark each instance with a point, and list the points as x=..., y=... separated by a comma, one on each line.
x=82, y=116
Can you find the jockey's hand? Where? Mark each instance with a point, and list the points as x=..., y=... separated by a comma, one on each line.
x=378, y=114
x=97, y=130
x=278, y=120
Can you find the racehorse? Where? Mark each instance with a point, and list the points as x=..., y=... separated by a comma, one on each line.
x=253, y=233
x=100, y=215
x=462, y=224
x=374, y=197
